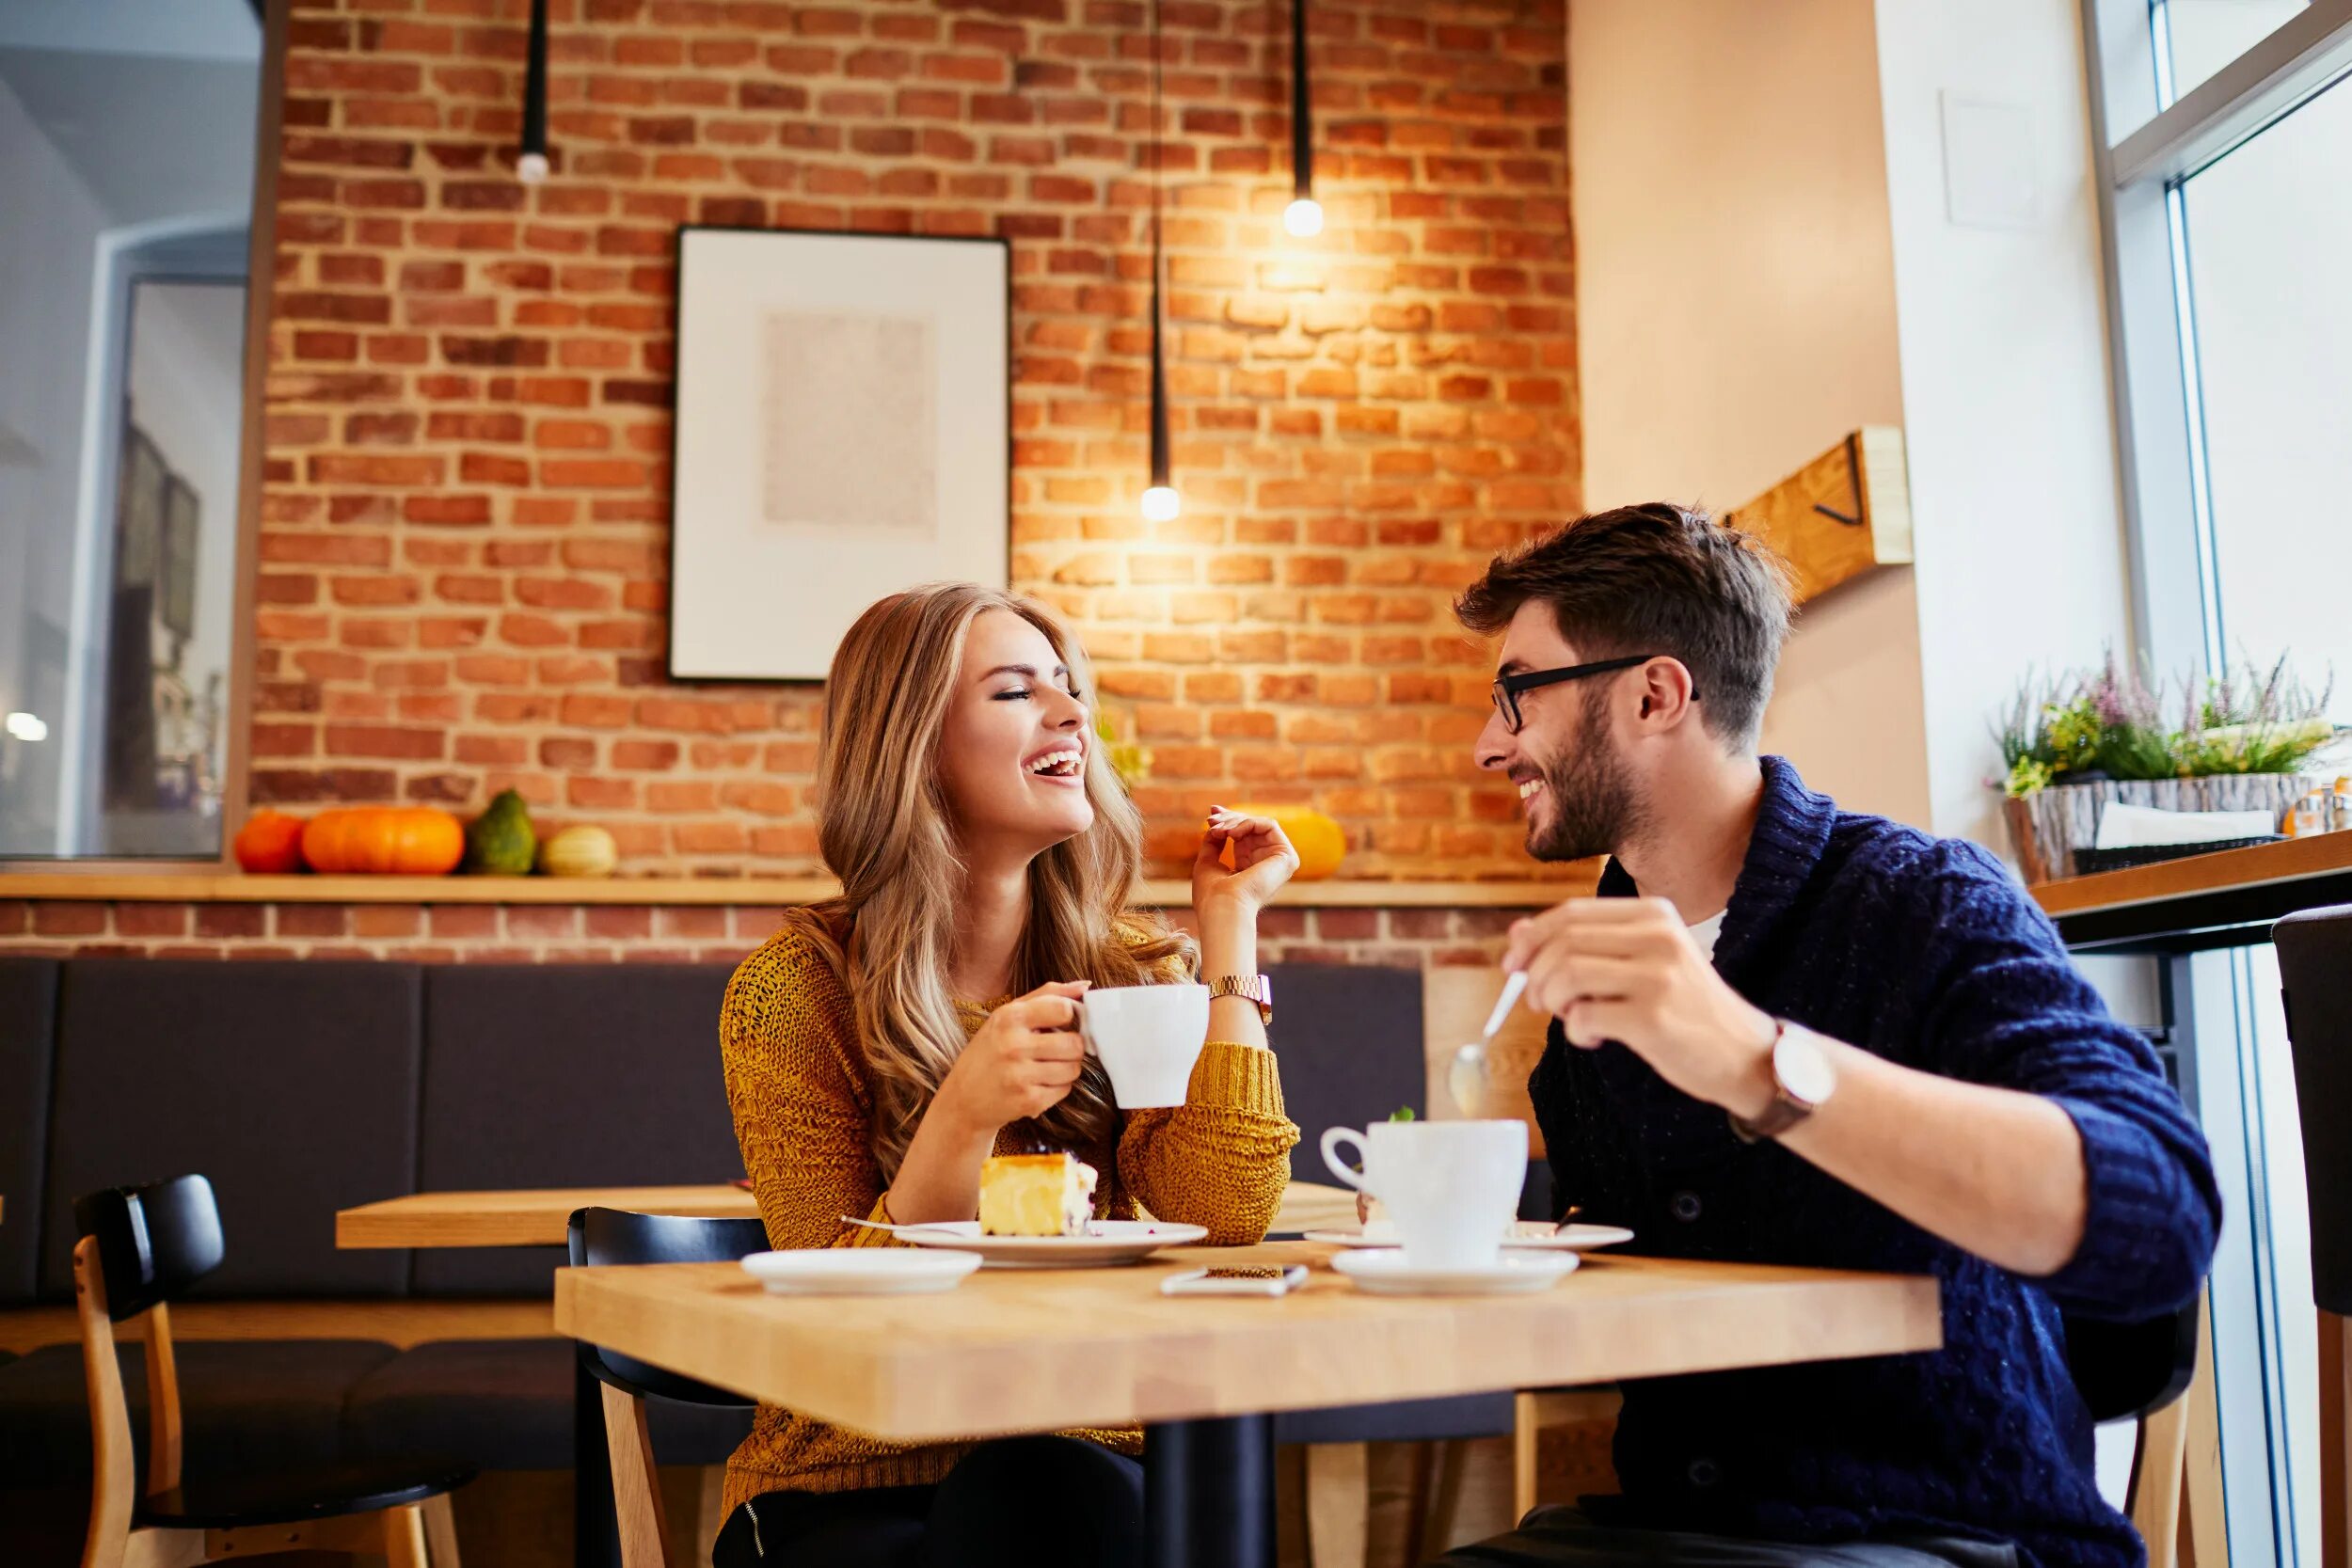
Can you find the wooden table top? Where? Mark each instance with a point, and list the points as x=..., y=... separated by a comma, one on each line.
x=1014, y=1351
x=537, y=1216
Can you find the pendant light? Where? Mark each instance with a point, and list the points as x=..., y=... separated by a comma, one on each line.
x=533, y=167
x=1160, y=502
x=1303, y=217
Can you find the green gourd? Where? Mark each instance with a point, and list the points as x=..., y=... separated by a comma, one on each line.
x=500, y=842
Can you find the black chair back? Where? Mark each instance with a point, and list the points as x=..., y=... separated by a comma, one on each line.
x=2133, y=1368
x=605, y=1236
x=2315, y=974
x=153, y=1242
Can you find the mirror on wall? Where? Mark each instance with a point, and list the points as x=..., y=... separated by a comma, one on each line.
x=127, y=132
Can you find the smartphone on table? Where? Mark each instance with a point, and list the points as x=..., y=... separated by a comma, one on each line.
x=1241, y=1280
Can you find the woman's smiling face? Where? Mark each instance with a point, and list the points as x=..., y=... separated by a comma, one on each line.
x=1013, y=753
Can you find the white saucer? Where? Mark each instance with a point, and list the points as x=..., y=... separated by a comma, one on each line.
x=1105, y=1242
x=1384, y=1272
x=1525, y=1236
x=859, y=1271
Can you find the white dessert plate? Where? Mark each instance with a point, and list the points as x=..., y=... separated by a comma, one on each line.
x=859, y=1271
x=1384, y=1272
x=1525, y=1236
x=1105, y=1242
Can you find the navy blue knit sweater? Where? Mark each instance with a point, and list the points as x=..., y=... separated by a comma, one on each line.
x=1927, y=952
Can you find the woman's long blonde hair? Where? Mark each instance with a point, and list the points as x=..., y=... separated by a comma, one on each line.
x=884, y=829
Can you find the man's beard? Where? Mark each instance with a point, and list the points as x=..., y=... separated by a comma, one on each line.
x=1592, y=804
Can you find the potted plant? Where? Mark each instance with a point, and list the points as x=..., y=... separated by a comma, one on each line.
x=2073, y=745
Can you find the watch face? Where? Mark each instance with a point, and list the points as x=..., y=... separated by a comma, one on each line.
x=1802, y=1066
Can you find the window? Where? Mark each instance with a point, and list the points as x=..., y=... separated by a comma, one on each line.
x=2225, y=128
x=127, y=139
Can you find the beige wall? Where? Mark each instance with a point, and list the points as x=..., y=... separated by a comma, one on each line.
x=1736, y=314
x=1768, y=257
x=2017, y=522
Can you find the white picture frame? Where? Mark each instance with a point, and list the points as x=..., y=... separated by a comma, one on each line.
x=843, y=431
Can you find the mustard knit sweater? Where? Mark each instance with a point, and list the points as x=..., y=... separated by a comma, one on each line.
x=798, y=1084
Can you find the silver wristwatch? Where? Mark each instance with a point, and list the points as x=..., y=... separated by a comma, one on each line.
x=1802, y=1078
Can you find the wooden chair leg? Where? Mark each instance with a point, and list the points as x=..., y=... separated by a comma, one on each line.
x=2335, y=1441
x=113, y=1486
x=636, y=1484
x=2207, y=1531
x=404, y=1536
x=2159, y=1469
x=1339, y=1504
x=440, y=1530
x=1524, y=1428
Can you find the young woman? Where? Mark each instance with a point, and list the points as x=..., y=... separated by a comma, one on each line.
x=886, y=1044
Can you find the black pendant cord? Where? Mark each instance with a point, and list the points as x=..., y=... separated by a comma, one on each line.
x=536, y=94
x=1302, y=110
x=1159, y=364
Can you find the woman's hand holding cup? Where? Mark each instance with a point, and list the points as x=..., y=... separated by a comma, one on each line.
x=1020, y=1063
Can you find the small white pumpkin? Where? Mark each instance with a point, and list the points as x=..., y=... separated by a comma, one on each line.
x=578, y=851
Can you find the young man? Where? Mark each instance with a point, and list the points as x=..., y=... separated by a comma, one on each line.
x=1790, y=1033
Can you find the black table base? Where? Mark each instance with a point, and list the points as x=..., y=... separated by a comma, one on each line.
x=1208, y=1493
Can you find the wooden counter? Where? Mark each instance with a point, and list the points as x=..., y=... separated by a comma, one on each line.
x=232, y=887
x=2225, y=900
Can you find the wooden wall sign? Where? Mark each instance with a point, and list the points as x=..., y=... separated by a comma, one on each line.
x=1845, y=513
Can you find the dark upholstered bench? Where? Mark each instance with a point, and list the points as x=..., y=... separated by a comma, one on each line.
x=305, y=1088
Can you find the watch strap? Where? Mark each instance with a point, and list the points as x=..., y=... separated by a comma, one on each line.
x=1784, y=1111
x=1256, y=987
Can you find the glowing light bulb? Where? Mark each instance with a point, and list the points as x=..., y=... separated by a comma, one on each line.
x=1160, y=503
x=531, y=168
x=28, y=727
x=1304, y=217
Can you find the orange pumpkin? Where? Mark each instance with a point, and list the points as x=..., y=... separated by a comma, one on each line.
x=402, y=841
x=270, y=843
x=1321, y=843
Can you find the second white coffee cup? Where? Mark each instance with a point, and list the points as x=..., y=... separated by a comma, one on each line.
x=1452, y=1188
x=1148, y=1038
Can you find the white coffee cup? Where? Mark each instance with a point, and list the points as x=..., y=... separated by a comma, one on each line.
x=1452, y=1188
x=1148, y=1038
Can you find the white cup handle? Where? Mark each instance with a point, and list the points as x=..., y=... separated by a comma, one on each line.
x=1086, y=1028
x=1331, y=1140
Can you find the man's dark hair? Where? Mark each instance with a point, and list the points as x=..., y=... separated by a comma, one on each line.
x=1657, y=579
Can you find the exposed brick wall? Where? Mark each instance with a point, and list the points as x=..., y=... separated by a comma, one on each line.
x=465, y=505
x=631, y=933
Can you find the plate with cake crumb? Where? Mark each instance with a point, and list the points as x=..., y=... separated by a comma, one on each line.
x=1037, y=1212
x=1102, y=1243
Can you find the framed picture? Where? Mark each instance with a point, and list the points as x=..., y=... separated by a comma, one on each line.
x=843, y=431
x=175, y=596
x=140, y=510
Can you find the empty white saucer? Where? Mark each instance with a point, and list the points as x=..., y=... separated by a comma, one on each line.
x=1524, y=1235
x=880, y=1271
x=1385, y=1272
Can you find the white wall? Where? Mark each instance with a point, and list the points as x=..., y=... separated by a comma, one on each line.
x=1737, y=315
x=2018, y=531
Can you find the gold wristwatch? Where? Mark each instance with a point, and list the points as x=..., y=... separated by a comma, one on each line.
x=1257, y=988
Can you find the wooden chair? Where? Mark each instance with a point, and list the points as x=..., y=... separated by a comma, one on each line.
x=608, y=1236
x=139, y=1248
x=2316, y=975
x=2142, y=1370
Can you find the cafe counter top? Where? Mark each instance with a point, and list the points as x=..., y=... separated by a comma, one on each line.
x=209, y=885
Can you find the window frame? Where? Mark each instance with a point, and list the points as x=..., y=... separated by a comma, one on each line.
x=2151, y=339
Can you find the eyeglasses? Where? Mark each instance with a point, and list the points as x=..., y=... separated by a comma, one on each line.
x=1507, y=687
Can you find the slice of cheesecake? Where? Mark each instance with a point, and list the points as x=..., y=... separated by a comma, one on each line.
x=1036, y=1194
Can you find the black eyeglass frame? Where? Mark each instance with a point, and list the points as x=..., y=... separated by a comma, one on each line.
x=1507, y=688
